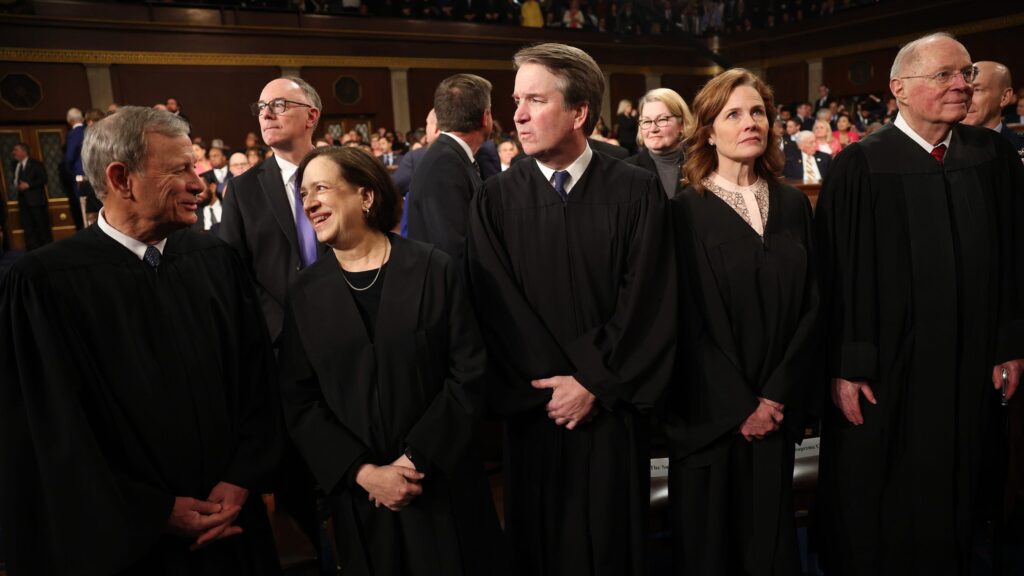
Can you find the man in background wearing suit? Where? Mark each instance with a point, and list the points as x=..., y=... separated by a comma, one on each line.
x=810, y=165
x=217, y=177
x=993, y=90
x=448, y=175
x=30, y=180
x=264, y=220
x=73, y=163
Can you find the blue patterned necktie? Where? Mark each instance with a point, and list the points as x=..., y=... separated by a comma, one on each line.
x=152, y=257
x=561, y=177
x=303, y=231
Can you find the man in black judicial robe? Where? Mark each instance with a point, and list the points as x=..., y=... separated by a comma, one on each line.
x=158, y=431
x=574, y=285
x=921, y=250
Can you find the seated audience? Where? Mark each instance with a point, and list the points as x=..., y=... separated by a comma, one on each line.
x=844, y=133
x=823, y=135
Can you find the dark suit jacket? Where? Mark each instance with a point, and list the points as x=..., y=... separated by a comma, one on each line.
x=487, y=159
x=34, y=174
x=406, y=168
x=73, y=151
x=442, y=187
x=210, y=178
x=396, y=158
x=258, y=222
x=643, y=159
x=1015, y=139
x=795, y=169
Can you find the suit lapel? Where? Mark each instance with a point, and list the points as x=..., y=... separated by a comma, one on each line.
x=402, y=291
x=277, y=197
x=474, y=176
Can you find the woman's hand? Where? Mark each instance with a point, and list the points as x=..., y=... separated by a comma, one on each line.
x=391, y=486
x=762, y=421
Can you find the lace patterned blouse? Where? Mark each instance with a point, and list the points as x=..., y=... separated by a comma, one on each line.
x=750, y=202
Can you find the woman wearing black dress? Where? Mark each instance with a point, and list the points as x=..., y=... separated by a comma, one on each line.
x=381, y=367
x=625, y=120
x=749, y=338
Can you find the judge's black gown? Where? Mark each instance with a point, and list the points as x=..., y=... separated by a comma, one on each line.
x=922, y=267
x=748, y=330
x=360, y=392
x=122, y=387
x=585, y=288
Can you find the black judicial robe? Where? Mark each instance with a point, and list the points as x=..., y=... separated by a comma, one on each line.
x=122, y=387
x=586, y=288
x=417, y=384
x=922, y=268
x=749, y=329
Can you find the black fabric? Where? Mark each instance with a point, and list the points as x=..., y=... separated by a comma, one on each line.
x=402, y=177
x=443, y=184
x=607, y=149
x=367, y=299
x=417, y=384
x=32, y=205
x=586, y=288
x=122, y=387
x=627, y=132
x=922, y=282
x=749, y=329
x=487, y=158
x=644, y=160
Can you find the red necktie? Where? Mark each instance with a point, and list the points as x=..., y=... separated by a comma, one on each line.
x=938, y=153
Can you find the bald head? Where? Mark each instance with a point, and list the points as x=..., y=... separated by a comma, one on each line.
x=908, y=59
x=993, y=90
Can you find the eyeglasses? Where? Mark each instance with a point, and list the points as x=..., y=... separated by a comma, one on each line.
x=945, y=77
x=660, y=122
x=277, y=106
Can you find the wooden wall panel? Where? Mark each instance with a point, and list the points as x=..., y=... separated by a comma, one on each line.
x=1003, y=46
x=686, y=85
x=626, y=87
x=789, y=82
x=215, y=98
x=859, y=73
x=423, y=82
x=63, y=86
x=375, y=99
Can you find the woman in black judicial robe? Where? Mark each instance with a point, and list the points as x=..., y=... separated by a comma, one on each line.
x=665, y=121
x=746, y=362
x=381, y=364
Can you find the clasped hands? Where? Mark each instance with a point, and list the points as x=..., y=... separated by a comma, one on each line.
x=762, y=421
x=211, y=519
x=571, y=404
x=394, y=485
x=846, y=393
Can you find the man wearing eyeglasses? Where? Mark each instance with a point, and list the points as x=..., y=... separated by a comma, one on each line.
x=263, y=219
x=919, y=246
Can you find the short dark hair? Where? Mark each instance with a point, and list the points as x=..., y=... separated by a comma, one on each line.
x=580, y=79
x=23, y=146
x=460, y=102
x=361, y=169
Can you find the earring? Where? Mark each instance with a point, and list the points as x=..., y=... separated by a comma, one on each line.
x=366, y=211
x=711, y=142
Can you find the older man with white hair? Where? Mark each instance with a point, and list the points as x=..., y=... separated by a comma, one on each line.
x=919, y=242
x=145, y=449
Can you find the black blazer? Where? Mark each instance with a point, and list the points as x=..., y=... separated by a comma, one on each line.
x=643, y=159
x=258, y=222
x=1015, y=139
x=795, y=169
x=442, y=187
x=33, y=174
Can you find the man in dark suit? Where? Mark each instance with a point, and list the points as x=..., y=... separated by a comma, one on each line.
x=407, y=167
x=264, y=220
x=73, y=163
x=448, y=175
x=824, y=98
x=809, y=165
x=805, y=116
x=30, y=181
x=217, y=177
x=993, y=90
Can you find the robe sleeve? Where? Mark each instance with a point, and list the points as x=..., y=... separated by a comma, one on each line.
x=330, y=449
x=846, y=245
x=520, y=346
x=445, y=431
x=1010, y=207
x=629, y=358
x=259, y=429
x=64, y=507
x=788, y=383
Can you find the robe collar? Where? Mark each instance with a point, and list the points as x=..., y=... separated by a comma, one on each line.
x=902, y=125
x=575, y=170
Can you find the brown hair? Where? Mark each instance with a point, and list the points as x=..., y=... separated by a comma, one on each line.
x=702, y=158
x=361, y=169
x=580, y=80
x=460, y=102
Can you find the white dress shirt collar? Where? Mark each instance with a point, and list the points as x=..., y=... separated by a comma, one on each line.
x=462, y=143
x=288, y=171
x=137, y=248
x=926, y=145
x=575, y=170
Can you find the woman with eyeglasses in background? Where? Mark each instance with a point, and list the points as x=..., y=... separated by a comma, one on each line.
x=665, y=122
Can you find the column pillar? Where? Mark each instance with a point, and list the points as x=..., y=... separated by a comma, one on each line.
x=291, y=71
x=606, y=101
x=652, y=81
x=814, y=78
x=400, y=99
x=101, y=88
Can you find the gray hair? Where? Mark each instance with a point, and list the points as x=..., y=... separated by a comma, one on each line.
x=74, y=115
x=121, y=138
x=908, y=54
x=310, y=92
x=803, y=135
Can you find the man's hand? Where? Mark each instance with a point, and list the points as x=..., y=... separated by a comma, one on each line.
x=391, y=486
x=570, y=404
x=1014, y=368
x=764, y=420
x=22, y=185
x=404, y=462
x=231, y=498
x=846, y=397
x=191, y=517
